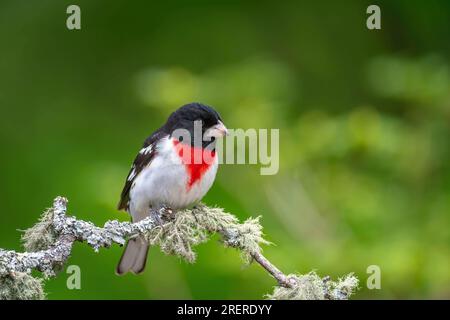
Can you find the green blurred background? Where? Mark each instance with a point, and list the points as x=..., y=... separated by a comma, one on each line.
x=364, y=119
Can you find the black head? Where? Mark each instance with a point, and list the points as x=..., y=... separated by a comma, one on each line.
x=198, y=114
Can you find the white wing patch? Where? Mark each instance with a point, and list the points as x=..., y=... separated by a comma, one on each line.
x=146, y=150
x=132, y=174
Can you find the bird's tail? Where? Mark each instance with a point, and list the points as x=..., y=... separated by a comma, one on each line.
x=134, y=256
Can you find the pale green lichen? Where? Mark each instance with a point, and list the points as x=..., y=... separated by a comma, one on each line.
x=344, y=287
x=177, y=237
x=311, y=287
x=21, y=286
x=193, y=226
x=247, y=237
x=41, y=235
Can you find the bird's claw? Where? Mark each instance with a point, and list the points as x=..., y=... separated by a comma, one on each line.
x=167, y=213
x=161, y=215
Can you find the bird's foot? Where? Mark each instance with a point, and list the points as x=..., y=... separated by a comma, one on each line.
x=161, y=215
x=168, y=214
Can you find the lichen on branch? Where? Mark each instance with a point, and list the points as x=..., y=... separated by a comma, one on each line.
x=21, y=286
x=49, y=242
x=311, y=287
x=191, y=227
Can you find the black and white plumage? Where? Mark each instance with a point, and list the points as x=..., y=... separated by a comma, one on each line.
x=161, y=176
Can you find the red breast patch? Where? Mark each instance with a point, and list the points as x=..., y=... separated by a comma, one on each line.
x=197, y=160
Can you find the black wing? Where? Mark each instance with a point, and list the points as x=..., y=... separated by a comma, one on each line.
x=143, y=159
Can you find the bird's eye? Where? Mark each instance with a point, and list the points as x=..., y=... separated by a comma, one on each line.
x=180, y=139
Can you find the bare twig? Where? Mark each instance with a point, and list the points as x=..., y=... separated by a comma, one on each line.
x=281, y=278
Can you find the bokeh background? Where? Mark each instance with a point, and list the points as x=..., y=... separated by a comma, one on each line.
x=364, y=119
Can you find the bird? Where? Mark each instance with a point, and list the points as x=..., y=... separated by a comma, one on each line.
x=174, y=169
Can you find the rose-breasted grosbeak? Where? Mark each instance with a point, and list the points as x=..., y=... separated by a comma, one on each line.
x=170, y=170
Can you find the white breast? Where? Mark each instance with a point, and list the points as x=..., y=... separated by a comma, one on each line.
x=164, y=182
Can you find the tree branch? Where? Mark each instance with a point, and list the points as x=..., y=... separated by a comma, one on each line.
x=69, y=230
x=282, y=279
x=49, y=244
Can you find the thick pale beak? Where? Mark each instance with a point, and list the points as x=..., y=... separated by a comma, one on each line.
x=217, y=131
